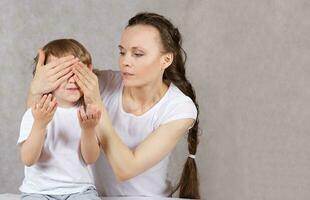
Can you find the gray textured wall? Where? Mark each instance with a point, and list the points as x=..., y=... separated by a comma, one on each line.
x=248, y=61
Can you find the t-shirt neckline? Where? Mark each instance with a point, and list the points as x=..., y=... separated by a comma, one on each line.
x=148, y=111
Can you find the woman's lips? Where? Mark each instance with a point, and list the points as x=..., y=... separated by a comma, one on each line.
x=126, y=74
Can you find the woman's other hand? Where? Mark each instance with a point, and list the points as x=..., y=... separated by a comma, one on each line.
x=88, y=82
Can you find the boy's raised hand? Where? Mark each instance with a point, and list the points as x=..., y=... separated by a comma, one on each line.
x=89, y=117
x=44, y=110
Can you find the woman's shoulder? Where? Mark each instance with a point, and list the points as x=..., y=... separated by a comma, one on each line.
x=105, y=74
x=176, y=105
x=108, y=80
x=176, y=96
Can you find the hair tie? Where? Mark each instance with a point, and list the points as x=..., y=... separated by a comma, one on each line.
x=192, y=156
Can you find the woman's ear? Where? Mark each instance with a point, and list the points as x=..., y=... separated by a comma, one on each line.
x=167, y=59
x=90, y=66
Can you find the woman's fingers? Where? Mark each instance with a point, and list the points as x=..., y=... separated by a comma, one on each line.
x=41, y=58
x=64, y=78
x=60, y=74
x=63, y=66
x=80, y=83
x=59, y=61
x=86, y=72
x=84, y=78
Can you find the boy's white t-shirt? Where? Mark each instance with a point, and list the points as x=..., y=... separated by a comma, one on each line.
x=133, y=130
x=60, y=168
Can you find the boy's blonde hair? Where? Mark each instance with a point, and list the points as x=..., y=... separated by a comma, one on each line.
x=65, y=47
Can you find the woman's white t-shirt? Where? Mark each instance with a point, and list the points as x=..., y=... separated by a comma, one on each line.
x=133, y=130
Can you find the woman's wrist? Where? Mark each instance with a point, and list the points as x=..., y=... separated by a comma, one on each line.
x=33, y=90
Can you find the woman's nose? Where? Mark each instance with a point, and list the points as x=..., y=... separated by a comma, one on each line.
x=125, y=60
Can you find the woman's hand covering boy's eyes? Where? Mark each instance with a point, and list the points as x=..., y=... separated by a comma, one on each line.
x=88, y=82
x=49, y=76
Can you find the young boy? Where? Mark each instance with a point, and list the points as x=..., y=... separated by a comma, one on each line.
x=57, y=138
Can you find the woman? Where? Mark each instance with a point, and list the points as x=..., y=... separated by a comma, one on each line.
x=146, y=108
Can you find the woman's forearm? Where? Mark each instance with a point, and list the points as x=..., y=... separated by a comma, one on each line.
x=121, y=158
x=89, y=146
x=32, y=147
x=31, y=98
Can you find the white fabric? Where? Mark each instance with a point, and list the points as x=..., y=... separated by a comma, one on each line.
x=133, y=130
x=8, y=196
x=60, y=168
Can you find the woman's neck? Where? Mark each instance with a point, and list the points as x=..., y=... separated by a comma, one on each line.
x=142, y=98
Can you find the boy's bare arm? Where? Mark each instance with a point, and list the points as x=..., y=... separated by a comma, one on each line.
x=43, y=112
x=89, y=119
x=32, y=147
x=89, y=146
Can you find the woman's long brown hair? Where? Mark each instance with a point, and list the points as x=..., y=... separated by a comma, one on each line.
x=172, y=42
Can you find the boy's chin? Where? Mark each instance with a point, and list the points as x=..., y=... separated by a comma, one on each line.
x=73, y=100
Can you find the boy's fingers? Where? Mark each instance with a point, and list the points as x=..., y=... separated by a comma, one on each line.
x=52, y=105
x=41, y=102
x=88, y=109
x=54, y=108
x=47, y=102
x=83, y=114
x=98, y=114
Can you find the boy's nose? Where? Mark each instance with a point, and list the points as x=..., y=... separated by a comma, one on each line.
x=71, y=79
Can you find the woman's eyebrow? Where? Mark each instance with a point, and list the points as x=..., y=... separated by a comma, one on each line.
x=133, y=48
x=137, y=48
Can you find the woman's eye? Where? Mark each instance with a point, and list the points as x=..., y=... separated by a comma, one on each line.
x=121, y=53
x=138, y=54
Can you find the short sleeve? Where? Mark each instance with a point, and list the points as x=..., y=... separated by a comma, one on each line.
x=179, y=110
x=108, y=81
x=26, y=126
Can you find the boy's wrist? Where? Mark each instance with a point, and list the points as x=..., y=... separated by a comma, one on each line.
x=88, y=130
x=39, y=125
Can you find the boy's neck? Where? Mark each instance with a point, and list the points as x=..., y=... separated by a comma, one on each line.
x=63, y=104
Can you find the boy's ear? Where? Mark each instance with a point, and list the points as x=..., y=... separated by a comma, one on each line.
x=90, y=66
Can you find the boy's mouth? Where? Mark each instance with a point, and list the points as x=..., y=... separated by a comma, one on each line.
x=73, y=89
